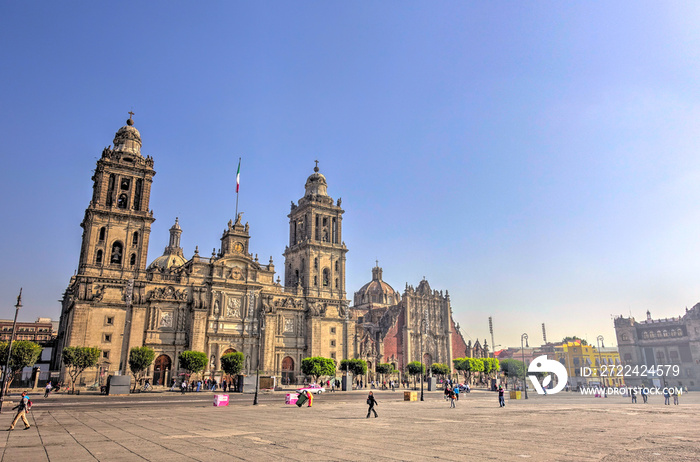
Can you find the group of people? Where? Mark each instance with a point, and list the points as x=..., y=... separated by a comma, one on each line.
x=645, y=396
x=199, y=385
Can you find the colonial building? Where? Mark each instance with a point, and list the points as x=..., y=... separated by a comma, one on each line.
x=43, y=331
x=231, y=301
x=397, y=329
x=661, y=342
x=227, y=302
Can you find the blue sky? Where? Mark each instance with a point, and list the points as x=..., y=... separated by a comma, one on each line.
x=537, y=160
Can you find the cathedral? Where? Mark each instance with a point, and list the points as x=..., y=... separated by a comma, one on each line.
x=230, y=301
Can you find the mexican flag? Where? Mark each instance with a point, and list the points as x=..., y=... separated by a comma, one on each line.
x=238, y=175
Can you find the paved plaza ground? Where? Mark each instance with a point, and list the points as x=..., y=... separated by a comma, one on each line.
x=170, y=427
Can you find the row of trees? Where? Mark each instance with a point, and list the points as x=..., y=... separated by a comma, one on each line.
x=470, y=366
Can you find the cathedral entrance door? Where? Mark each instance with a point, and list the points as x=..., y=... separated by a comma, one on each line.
x=287, y=370
x=160, y=367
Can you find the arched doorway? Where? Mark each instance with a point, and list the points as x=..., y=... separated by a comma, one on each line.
x=160, y=368
x=230, y=350
x=287, y=370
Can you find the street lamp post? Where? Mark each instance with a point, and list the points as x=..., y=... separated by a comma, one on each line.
x=600, y=363
x=421, y=363
x=261, y=329
x=522, y=350
x=5, y=381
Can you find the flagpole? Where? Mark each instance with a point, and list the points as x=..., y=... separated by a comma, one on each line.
x=238, y=175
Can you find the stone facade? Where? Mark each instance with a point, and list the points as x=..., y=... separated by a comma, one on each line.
x=662, y=342
x=224, y=303
x=231, y=301
x=395, y=329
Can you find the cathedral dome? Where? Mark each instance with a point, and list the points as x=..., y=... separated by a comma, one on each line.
x=316, y=184
x=165, y=262
x=128, y=139
x=377, y=291
x=172, y=256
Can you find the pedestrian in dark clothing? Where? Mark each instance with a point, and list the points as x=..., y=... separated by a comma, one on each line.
x=22, y=412
x=371, y=402
x=501, y=397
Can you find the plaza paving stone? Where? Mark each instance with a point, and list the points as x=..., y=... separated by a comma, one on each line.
x=563, y=427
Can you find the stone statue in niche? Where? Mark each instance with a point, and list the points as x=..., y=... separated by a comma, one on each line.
x=233, y=309
x=166, y=320
x=217, y=310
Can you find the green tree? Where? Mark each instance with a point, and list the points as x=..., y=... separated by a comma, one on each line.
x=318, y=366
x=354, y=366
x=232, y=363
x=440, y=369
x=472, y=366
x=139, y=359
x=77, y=359
x=513, y=368
x=414, y=368
x=24, y=354
x=383, y=369
x=491, y=365
x=192, y=361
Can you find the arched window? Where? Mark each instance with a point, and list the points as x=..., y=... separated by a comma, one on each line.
x=296, y=276
x=110, y=191
x=117, y=249
x=336, y=283
x=315, y=263
x=135, y=239
x=680, y=332
x=103, y=230
x=315, y=280
x=98, y=257
x=326, y=277
x=137, y=194
x=673, y=333
x=658, y=334
x=336, y=266
x=645, y=334
x=132, y=260
x=665, y=333
x=123, y=201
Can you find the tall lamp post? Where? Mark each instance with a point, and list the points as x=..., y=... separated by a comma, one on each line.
x=421, y=360
x=600, y=363
x=523, y=338
x=261, y=329
x=5, y=375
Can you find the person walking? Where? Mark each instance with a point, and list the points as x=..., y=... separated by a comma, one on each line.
x=667, y=397
x=371, y=402
x=21, y=412
x=47, y=390
x=452, y=398
x=501, y=397
x=644, y=395
x=634, y=396
x=675, y=397
x=183, y=386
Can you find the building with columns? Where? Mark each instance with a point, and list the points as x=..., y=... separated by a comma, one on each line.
x=231, y=301
x=669, y=344
x=397, y=329
x=223, y=303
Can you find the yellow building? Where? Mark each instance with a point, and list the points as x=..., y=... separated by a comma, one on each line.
x=586, y=365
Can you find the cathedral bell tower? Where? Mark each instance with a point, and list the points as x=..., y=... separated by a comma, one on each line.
x=117, y=223
x=315, y=257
